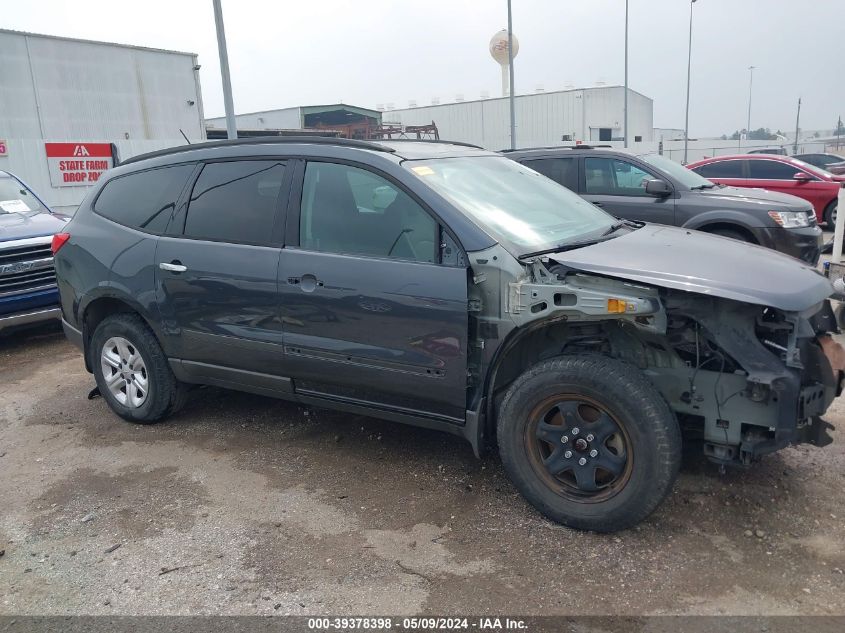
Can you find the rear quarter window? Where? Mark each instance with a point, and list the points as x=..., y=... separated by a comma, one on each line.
x=143, y=200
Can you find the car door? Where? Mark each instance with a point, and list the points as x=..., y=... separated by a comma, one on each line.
x=371, y=314
x=780, y=176
x=217, y=271
x=618, y=186
x=725, y=172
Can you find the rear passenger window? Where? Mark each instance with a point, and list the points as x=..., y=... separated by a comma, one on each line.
x=563, y=171
x=235, y=201
x=143, y=200
x=350, y=210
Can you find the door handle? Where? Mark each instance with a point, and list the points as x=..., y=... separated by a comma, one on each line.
x=175, y=266
x=306, y=283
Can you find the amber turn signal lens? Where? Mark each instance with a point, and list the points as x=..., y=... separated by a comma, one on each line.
x=615, y=306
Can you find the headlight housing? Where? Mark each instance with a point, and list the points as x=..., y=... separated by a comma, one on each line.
x=790, y=219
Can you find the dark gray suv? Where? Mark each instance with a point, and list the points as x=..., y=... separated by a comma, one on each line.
x=653, y=188
x=448, y=287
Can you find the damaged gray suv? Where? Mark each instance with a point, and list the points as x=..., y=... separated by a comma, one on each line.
x=448, y=287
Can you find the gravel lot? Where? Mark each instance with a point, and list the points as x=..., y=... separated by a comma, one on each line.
x=248, y=505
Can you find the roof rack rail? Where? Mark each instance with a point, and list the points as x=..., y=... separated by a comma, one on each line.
x=582, y=146
x=262, y=140
x=429, y=140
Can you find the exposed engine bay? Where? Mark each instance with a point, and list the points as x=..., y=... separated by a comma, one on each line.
x=747, y=379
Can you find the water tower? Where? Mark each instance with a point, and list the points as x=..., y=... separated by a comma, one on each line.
x=499, y=51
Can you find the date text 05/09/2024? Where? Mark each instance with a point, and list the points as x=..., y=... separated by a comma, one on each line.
x=416, y=624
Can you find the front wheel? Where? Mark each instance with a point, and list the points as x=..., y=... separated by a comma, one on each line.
x=589, y=442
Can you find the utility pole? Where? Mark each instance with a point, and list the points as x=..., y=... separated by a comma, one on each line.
x=625, y=122
x=689, y=66
x=510, y=67
x=797, y=119
x=228, y=104
x=750, y=83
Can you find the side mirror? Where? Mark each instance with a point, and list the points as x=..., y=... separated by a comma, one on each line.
x=657, y=188
x=802, y=177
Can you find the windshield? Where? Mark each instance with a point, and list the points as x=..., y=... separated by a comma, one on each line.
x=686, y=177
x=513, y=203
x=15, y=198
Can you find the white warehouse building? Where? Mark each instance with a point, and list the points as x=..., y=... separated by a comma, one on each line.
x=70, y=98
x=588, y=115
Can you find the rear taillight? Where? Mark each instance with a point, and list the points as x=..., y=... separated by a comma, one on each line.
x=59, y=240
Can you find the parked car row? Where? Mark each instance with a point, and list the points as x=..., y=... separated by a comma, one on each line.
x=647, y=187
x=777, y=173
x=653, y=188
x=449, y=287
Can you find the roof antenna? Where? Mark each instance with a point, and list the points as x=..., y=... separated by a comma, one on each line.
x=184, y=136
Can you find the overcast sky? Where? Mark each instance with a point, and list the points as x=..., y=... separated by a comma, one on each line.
x=368, y=52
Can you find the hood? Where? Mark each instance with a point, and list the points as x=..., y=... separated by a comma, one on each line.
x=706, y=264
x=761, y=197
x=18, y=226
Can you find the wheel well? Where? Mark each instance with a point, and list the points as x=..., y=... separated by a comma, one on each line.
x=94, y=314
x=546, y=340
x=727, y=226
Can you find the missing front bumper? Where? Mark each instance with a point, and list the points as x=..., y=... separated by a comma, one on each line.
x=815, y=432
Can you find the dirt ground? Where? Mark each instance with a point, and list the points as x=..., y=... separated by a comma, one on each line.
x=248, y=505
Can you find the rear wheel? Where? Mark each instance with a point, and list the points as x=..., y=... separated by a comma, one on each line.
x=830, y=215
x=132, y=371
x=589, y=442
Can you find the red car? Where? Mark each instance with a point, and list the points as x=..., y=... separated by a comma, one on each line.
x=777, y=173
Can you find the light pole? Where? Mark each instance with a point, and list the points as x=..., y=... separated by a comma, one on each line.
x=750, y=83
x=231, y=127
x=689, y=66
x=510, y=78
x=625, y=107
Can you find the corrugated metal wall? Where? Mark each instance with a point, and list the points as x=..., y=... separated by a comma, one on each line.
x=69, y=89
x=56, y=89
x=541, y=119
x=284, y=119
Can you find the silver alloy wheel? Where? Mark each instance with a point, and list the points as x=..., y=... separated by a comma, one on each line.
x=125, y=372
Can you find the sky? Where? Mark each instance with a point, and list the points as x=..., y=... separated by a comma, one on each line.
x=367, y=52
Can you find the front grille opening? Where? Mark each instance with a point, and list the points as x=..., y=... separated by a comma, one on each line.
x=26, y=268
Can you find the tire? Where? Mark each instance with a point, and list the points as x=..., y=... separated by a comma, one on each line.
x=732, y=234
x=123, y=336
x=591, y=390
x=830, y=215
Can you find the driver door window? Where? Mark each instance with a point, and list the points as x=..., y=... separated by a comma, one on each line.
x=349, y=210
x=611, y=176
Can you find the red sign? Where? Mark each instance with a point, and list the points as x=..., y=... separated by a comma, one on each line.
x=3, y=150
x=77, y=164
